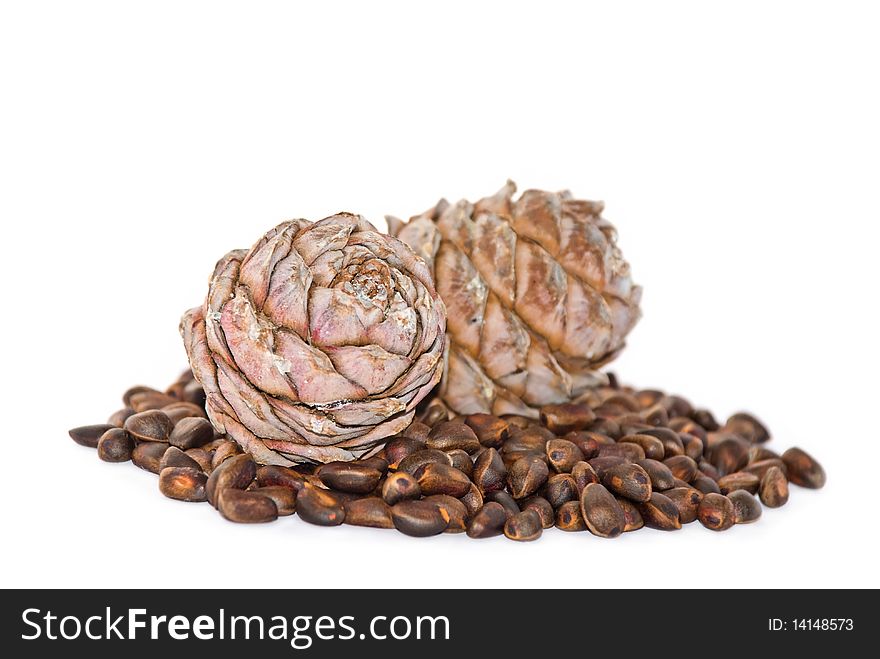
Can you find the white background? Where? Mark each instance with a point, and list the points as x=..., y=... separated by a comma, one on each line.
x=735, y=145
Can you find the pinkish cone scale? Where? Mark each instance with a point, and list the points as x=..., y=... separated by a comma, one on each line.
x=317, y=343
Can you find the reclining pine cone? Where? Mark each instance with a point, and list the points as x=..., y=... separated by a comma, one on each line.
x=538, y=296
x=318, y=342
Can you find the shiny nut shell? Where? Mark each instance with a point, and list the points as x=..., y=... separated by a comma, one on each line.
x=317, y=506
x=739, y=480
x=705, y=484
x=183, y=483
x=473, y=501
x=525, y=526
x=454, y=510
x=490, y=430
x=488, y=522
x=629, y=481
x=462, y=461
x=370, y=511
x=418, y=519
x=661, y=476
x=174, y=457
x=452, y=435
x=246, y=507
x=489, y=473
x=562, y=455
x=235, y=473
x=115, y=445
x=148, y=455
x=682, y=467
x=414, y=461
x=716, y=512
x=583, y=475
x=774, y=488
x=435, y=478
x=526, y=476
x=267, y=475
x=351, y=477
x=284, y=498
x=149, y=426
x=399, y=486
x=631, y=514
x=89, y=435
x=803, y=469
x=541, y=506
x=191, y=432
x=560, y=488
x=399, y=448
x=569, y=517
x=745, y=507
x=587, y=442
x=566, y=417
x=603, y=515
x=660, y=512
x=652, y=447
x=687, y=500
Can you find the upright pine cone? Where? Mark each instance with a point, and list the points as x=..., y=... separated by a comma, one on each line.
x=317, y=343
x=537, y=293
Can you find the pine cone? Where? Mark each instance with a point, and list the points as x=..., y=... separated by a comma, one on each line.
x=537, y=293
x=317, y=343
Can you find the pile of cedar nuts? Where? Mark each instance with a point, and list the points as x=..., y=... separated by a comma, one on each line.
x=621, y=460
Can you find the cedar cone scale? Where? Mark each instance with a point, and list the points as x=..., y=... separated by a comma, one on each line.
x=318, y=342
x=537, y=292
